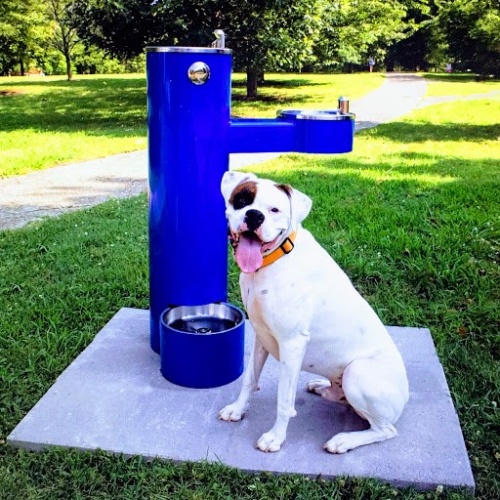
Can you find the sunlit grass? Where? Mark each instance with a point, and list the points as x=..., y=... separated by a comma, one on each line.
x=46, y=121
x=29, y=149
x=303, y=90
x=443, y=84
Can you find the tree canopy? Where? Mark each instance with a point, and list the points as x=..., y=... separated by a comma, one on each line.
x=23, y=32
x=279, y=35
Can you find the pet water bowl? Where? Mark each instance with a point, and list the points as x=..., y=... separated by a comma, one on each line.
x=202, y=346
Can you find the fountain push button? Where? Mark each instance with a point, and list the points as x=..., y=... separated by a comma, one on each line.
x=198, y=73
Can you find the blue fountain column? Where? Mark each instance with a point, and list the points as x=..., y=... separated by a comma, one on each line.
x=188, y=92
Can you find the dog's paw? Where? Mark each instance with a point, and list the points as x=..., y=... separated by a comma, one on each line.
x=269, y=442
x=339, y=443
x=345, y=441
x=231, y=413
x=326, y=390
x=317, y=385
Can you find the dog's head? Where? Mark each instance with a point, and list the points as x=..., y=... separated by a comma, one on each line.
x=261, y=214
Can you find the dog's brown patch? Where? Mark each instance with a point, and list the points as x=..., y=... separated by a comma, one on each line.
x=243, y=195
x=286, y=188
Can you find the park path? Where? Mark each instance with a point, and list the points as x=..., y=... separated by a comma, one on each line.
x=76, y=186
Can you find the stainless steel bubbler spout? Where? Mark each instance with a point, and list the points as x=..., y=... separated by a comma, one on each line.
x=220, y=39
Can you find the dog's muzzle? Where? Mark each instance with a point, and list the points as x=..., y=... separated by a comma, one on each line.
x=254, y=219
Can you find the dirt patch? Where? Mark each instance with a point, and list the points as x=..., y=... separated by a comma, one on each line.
x=9, y=92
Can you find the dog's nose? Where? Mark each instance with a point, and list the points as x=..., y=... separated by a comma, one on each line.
x=253, y=219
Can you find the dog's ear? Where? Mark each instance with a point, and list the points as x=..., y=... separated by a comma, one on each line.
x=232, y=179
x=301, y=206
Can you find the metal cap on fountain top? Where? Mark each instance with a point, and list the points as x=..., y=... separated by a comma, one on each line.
x=343, y=105
x=220, y=39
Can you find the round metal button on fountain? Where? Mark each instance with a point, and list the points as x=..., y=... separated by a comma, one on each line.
x=202, y=346
x=199, y=73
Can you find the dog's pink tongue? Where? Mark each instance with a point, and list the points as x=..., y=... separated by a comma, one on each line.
x=248, y=254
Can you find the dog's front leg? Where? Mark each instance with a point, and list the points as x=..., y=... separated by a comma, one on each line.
x=236, y=410
x=292, y=353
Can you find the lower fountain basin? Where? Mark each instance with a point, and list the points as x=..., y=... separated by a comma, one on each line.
x=202, y=346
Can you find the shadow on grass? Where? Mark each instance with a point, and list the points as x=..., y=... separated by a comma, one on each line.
x=86, y=83
x=280, y=84
x=278, y=99
x=84, y=105
x=116, y=107
x=81, y=105
x=456, y=77
x=112, y=107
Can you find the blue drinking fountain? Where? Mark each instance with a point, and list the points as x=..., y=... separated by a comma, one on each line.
x=199, y=336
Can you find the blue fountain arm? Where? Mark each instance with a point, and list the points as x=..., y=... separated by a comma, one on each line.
x=316, y=131
x=260, y=135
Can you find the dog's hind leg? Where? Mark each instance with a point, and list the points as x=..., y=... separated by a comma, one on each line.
x=235, y=411
x=377, y=390
x=345, y=441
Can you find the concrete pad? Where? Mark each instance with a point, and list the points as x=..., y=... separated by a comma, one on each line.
x=113, y=397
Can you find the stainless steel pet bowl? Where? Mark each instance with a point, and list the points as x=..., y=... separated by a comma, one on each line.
x=202, y=346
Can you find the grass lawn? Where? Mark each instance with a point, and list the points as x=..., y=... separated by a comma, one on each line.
x=303, y=91
x=47, y=121
x=412, y=215
x=458, y=84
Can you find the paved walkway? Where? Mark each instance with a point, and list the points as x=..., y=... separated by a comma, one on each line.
x=70, y=187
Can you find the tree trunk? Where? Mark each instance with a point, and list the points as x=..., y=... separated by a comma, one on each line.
x=69, y=71
x=21, y=66
x=252, y=79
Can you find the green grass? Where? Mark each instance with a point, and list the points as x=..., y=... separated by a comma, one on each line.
x=49, y=121
x=457, y=84
x=412, y=215
x=291, y=91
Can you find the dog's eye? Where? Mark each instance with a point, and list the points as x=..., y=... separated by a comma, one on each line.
x=244, y=197
x=275, y=210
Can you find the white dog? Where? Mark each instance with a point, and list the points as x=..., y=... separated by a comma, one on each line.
x=307, y=314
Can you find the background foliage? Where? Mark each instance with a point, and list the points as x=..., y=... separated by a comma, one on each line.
x=97, y=36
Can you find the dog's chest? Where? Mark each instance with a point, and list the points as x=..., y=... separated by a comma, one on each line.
x=266, y=303
x=261, y=297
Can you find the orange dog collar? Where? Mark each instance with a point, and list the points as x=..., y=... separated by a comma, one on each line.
x=284, y=249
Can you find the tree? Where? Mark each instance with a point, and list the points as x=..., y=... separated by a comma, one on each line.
x=414, y=51
x=352, y=31
x=123, y=28
x=64, y=29
x=22, y=33
x=472, y=30
x=266, y=33
x=279, y=35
